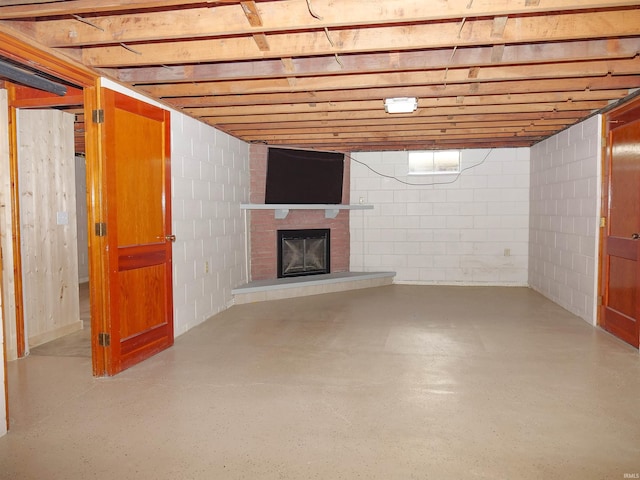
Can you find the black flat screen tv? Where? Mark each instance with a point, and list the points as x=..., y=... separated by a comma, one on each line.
x=304, y=177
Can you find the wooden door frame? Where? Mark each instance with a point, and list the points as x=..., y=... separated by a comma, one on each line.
x=20, y=97
x=96, y=215
x=21, y=50
x=604, y=216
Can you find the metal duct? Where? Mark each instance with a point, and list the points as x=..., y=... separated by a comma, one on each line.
x=30, y=79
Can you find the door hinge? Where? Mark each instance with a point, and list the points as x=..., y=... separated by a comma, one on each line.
x=101, y=229
x=599, y=300
x=97, y=116
x=603, y=222
x=104, y=339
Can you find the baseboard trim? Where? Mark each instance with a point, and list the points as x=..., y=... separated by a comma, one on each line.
x=50, y=335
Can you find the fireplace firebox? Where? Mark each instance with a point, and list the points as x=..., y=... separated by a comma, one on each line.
x=303, y=252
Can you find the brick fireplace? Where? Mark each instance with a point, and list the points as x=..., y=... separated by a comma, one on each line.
x=263, y=225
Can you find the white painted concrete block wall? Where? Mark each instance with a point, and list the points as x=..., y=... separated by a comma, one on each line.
x=472, y=231
x=565, y=208
x=210, y=173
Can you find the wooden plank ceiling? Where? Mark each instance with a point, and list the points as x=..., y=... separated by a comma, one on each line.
x=315, y=73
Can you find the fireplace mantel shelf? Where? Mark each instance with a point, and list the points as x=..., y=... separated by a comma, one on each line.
x=282, y=210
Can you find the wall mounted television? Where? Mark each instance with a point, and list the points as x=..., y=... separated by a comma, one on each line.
x=304, y=177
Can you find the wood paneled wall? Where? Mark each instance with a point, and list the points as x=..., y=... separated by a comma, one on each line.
x=46, y=179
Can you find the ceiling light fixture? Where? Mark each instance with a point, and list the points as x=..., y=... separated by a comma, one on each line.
x=400, y=105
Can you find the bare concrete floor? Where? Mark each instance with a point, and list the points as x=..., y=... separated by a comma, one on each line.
x=395, y=382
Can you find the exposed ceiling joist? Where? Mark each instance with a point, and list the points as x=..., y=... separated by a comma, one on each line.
x=307, y=73
x=553, y=28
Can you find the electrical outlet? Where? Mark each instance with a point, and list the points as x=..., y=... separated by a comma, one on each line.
x=62, y=218
x=206, y=267
x=507, y=252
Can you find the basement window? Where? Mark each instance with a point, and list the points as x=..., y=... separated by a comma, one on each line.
x=433, y=162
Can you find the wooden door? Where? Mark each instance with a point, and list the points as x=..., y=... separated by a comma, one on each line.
x=620, y=312
x=139, y=322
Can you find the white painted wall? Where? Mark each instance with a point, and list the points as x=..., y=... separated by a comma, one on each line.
x=210, y=172
x=210, y=178
x=565, y=208
x=444, y=233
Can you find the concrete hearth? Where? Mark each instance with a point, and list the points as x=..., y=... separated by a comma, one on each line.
x=276, y=289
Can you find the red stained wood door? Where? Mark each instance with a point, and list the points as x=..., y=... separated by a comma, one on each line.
x=620, y=312
x=138, y=231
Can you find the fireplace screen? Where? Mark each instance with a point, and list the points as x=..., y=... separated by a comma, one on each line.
x=303, y=252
